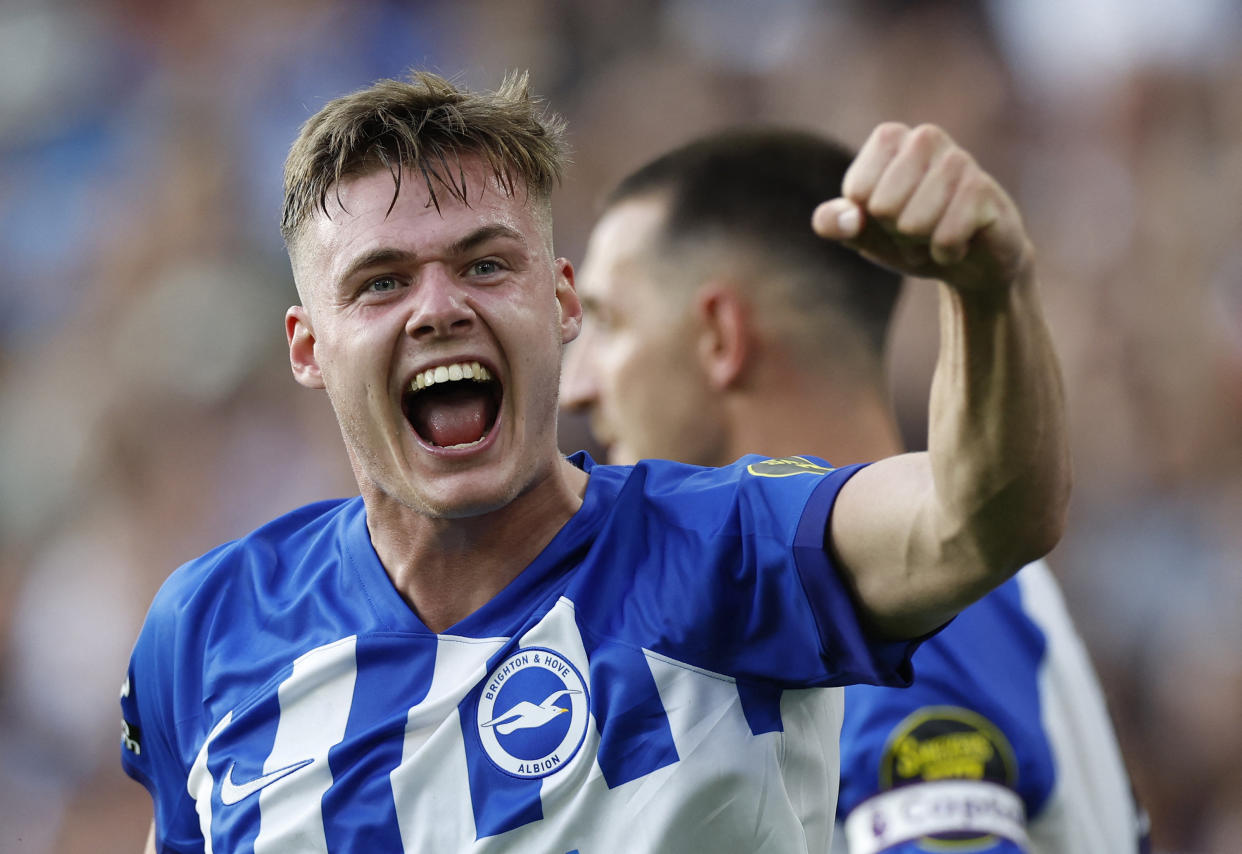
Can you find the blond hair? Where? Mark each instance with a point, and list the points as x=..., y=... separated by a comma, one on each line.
x=424, y=125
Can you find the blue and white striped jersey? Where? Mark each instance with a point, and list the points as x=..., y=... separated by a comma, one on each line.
x=1002, y=745
x=661, y=678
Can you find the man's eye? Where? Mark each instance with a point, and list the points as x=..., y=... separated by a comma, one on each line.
x=486, y=267
x=382, y=285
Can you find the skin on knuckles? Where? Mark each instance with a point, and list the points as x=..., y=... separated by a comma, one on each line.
x=915, y=202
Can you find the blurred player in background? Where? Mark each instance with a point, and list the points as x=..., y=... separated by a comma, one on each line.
x=718, y=324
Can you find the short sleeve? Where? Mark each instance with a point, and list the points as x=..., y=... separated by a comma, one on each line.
x=850, y=652
x=148, y=752
x=734, y=559
x=962, y=754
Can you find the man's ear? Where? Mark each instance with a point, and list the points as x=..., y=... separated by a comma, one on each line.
x=302, y=347
x=725, y=334
x=568, y=306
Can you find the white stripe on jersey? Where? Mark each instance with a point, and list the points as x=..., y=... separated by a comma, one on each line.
x=436, y=818
x=314, y=708
x=200, y=784
x=812, y=719
x=1090, y=809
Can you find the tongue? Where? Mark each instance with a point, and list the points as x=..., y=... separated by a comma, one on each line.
x=454, y=416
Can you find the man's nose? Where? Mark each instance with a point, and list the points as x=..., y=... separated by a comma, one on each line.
x=440, y=306
x=578, y=387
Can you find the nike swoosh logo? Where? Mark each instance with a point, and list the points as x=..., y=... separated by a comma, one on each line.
x=231, y=793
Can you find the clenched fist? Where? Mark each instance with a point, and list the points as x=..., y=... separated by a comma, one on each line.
x=915, y=201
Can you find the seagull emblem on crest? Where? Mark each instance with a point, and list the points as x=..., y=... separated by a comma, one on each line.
x=527, y=715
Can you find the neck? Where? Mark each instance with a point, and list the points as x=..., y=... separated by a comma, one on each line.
x=446, y=569
x=789, y=412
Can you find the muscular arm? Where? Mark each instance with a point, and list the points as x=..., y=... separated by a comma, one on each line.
x=922, y=535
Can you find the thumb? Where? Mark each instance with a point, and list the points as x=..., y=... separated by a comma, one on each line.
x=838, y=219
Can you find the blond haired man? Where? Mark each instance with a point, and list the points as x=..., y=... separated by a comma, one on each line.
x=494, y=647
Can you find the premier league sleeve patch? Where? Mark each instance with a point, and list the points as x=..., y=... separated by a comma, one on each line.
x=946, y=778
x=533, y=713
x=786, y=467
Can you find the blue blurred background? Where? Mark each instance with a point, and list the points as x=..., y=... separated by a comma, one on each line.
x=146, y=407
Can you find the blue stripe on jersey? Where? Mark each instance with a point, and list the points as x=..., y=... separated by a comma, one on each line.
x=761, y=704
x=391, y=675
x=501, y=802
x=635, y=737
x=242, y=746
x=1029, y=645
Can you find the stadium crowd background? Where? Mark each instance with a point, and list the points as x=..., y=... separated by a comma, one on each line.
x=146, y=407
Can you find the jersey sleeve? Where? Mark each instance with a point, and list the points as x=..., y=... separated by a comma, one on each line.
x=742, y=575
x=848, y=650
x=941, y=775
x=959, y=758
x=932, y=817
x=148, y=742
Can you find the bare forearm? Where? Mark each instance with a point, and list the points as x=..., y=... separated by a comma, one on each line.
x=997, y=435
x=920, y=536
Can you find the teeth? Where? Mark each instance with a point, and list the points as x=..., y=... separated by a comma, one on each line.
x=450, y=373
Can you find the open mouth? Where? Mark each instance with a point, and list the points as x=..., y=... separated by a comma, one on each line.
x=454, y=405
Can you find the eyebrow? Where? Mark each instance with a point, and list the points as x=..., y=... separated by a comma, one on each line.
x=482, y=235
x=378, y=257
x=387, y=255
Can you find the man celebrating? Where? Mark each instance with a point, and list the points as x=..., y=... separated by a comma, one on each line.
x=702, y=259
x=496, y=648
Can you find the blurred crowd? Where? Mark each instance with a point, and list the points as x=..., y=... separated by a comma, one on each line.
x=147, y=412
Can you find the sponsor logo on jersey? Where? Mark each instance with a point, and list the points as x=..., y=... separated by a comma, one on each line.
x=786, y=467
x=947, y=743
x=533, y=713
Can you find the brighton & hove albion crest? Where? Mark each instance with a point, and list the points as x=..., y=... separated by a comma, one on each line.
x=533, y=713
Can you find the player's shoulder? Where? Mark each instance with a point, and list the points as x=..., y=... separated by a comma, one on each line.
x=261, y=557
x=752, y=496
x=666, y=475
x=667, y=482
